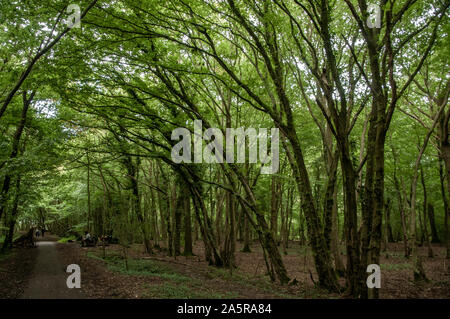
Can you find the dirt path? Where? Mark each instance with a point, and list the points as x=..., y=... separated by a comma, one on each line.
x=48, y=280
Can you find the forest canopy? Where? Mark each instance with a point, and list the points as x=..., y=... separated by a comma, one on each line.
x=92, y=91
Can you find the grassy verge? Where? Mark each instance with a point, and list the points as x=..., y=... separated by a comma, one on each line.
x=173, y=285
x=260, y=282
x=67, y=239
x=180, y=291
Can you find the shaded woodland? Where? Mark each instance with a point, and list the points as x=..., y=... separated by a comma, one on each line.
x=87, y=115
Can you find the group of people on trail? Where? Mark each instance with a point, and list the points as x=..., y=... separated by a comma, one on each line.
x=87, y=239
x=40, y=232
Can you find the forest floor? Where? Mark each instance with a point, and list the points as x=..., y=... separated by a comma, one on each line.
x=159, y=276
x=15, y=270
x=25, y=272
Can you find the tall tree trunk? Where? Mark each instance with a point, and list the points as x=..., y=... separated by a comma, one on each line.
x=154, y=218
x=229, y=240
x=219, y=212
x=289, y=208
x=274, y=207
x=322, y=256
x=162, y=206
x=246, y=248
x=211, y=251
x=385, y=230
x=283, y=230
x=15, y=149
x=390, y=235
x=196, y=235
x=446, y=209
x=179, y=209
x=169, y=215
x=187, y=228
x=7, y=244
x=422, y=233
x=132, y=170
x=401, y=206
x=434, y=234
x=419, y=274
x=88, y=185
x=335, y=247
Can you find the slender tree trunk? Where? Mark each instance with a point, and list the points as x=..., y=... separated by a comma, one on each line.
x=211, y=252
x=162, y=206
x=335, y=247
x=170, y=213
x=422, y=232
x=218, y=221
x=88, y=184
x=301, y=229
x=178, y=215
x=434, y=234
x=404, y=217
x=196, y=236
x=274, y=207
x=7, y=244
x=419, y=273
x=133, y=177
x=229, y=236
x=246, y=248
x=425, y=203
x=154, y=212
x=390, y=236
x=401, y=206
x=15, y=149
x=446, y=210
x=187, y=227
x=385, y=230
x=289, y=208
x=322, y=256
x=283, y=230
x=425, y=231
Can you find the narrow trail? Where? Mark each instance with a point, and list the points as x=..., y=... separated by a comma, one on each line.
x=49, y=276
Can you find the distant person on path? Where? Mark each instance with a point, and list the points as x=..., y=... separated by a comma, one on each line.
x=43, y=232
x=87, y=238
x=37, y=232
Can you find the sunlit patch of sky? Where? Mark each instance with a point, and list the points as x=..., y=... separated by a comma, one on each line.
x=46, y=108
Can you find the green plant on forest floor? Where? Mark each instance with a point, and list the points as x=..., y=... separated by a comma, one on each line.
x=141, y=267
x=67, y=239
x=175, y=285
x=248, y=280
x=182, y=291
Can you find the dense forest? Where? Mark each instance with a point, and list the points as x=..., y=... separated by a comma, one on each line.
x=92, y=92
